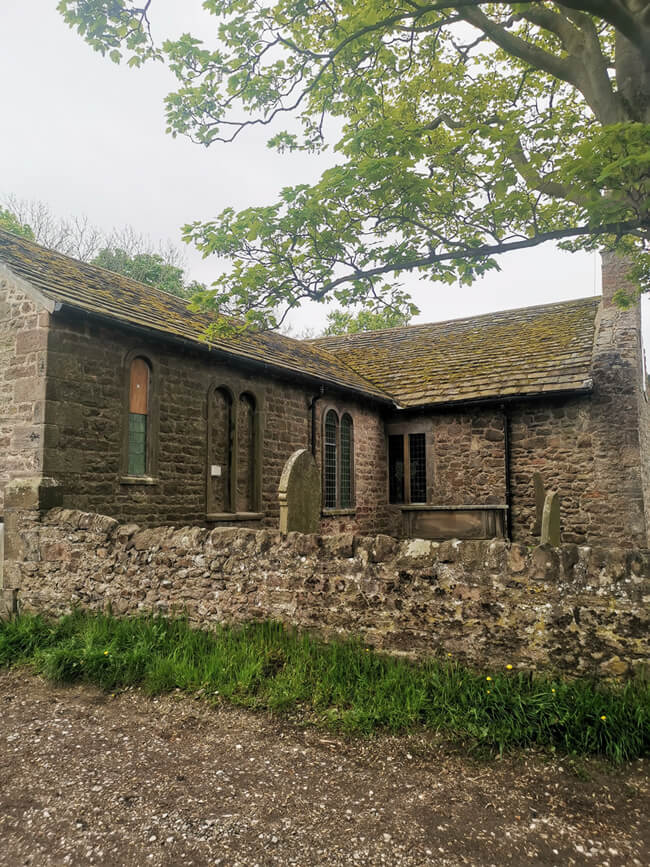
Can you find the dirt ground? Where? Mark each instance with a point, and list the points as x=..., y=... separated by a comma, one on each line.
x=86, y=778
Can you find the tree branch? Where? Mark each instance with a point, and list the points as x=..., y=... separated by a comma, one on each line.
x=484, y=250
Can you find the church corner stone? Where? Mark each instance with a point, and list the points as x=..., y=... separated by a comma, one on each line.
x=299, y=494
x=36, y=493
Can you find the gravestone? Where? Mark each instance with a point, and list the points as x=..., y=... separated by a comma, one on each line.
x=540, y=496
x=551, y=520
x=300, y=494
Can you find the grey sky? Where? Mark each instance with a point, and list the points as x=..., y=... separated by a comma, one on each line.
x=87, y=137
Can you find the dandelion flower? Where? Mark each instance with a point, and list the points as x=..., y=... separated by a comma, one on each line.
x=603, y=717
x=488, y=677
x=552, y=689
x=508, y=666
x=489, y=691
x=106, y=653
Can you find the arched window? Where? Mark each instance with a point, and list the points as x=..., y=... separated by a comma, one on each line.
x=246, y=453
x=330, y=460
x=138, y=451
x=234, y=443
x=346, y=463
x=338, y=461
x=221, y=430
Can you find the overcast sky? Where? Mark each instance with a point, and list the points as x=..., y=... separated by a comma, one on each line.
x=88, y=137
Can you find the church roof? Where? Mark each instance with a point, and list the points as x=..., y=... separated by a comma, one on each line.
x=527, y=351
x=523, y=352
x=103, y=293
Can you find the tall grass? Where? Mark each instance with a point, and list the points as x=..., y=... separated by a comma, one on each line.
x=342, y=685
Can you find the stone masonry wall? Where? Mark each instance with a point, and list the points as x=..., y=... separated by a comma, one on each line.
x=86, y=413
x=577, y=610
x=370, y=513
x=23, y=354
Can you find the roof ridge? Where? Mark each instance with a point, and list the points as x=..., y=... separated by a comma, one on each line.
x=492, y=314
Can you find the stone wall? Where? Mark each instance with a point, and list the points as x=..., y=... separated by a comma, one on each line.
x=23, y=345
x=577, y=610
x=86, y=417
x=370, y=513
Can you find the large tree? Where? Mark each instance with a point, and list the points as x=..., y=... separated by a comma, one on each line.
x=463, y=130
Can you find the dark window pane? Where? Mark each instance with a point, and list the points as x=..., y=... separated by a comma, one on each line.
x=346, y=462
x=331, y=426
x=137, y=444
x=417, y=454
x=396, y=468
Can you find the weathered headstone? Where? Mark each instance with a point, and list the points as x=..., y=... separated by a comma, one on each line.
x=540, y=496
x=551, y=520
x=300, y=494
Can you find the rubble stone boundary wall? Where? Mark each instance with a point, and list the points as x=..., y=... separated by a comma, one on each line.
x=578, y=610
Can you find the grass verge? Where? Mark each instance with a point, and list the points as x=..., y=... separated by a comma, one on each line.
x=342, y=685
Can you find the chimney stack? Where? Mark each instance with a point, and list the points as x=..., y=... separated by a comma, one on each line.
x=614, y=277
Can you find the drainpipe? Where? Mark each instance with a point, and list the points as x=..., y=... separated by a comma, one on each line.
x=312, y=407
x=506, y=467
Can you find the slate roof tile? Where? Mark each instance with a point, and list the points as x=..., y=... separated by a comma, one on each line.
x=526, y=351
x=97, y=291
x=531, y=350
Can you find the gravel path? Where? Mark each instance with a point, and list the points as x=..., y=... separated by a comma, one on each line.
x=86, y=778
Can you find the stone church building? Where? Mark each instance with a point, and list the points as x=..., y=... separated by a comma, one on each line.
x=433, y=431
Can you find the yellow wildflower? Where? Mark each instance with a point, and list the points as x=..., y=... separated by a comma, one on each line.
x=603, y=717
x=488, y=677
x=106, y=653
x=508, y=666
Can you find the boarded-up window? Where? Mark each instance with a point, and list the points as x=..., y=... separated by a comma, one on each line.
x=330, y=459
x=140, y=377
x=346, y=464
x=246, y=453
x=221, y=451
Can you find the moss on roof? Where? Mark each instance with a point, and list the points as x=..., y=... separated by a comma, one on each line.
x=525, y=351
x=104, y=293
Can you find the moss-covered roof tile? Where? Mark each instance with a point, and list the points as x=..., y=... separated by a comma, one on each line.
x=100, y=292
x=525, y=351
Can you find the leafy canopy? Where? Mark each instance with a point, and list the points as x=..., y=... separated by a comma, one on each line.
x=343, y=322
x=149, y=268
x=10, y=223
x=462, y=130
